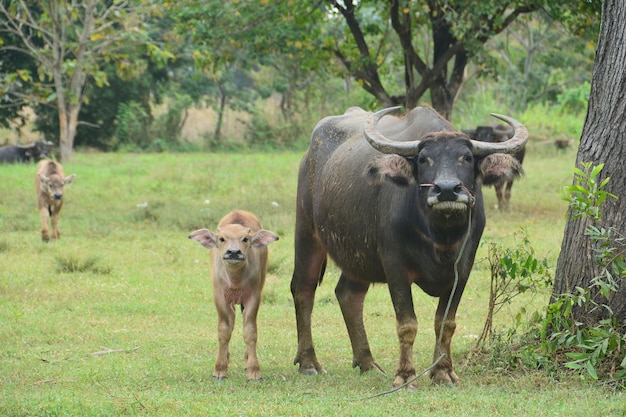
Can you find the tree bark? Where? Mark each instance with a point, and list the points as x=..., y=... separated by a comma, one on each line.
x=603, y=140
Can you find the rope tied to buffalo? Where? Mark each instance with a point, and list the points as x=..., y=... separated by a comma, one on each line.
x=445, y=316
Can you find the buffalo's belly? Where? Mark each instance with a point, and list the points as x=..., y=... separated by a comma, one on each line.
x=357, y=261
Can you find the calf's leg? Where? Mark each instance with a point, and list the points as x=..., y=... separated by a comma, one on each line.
x=250, y=312
x=225, y=325
x=45, y=217
x=55, y=222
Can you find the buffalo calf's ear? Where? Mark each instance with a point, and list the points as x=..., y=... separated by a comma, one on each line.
x=499, y=167
x=394, y=168
x=204, y=237
x=263, y=238
x=69, y=179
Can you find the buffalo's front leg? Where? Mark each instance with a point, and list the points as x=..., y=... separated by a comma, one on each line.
x=55, y=223
x=45, y=217
x=443, y=373
x=406, y=326
x=225, y=325
x=250, y=312
x=350, y=295
x=310, y=263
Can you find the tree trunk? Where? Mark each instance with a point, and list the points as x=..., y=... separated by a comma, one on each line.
x=603, y=140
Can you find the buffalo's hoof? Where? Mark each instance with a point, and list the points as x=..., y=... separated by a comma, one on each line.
x=219, y=378
x=409, y=383
x=444, y=378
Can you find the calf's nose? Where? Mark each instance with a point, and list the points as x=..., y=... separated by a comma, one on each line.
x=233, y=253
x=57, y=196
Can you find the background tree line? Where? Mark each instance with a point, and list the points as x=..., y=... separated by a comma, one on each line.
x=93, y=72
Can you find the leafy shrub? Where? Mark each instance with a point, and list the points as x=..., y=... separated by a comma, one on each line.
x=594, y=349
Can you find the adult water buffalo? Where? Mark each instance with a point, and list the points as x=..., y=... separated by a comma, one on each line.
x=395, y=200
x=11, y=154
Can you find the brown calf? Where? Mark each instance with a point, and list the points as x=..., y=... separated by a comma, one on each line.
x=50, y=182
x=238, y=265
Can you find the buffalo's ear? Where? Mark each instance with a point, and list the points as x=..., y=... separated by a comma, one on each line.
x=499, y=167
x=263, y=238
x=69, y=179
x=204, y=237
x=394, y=168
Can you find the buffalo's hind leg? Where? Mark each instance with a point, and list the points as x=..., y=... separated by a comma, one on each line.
x=310, y=263
x=351, y=295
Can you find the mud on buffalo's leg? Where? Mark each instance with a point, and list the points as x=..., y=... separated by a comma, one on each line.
x=406, y=327
x=443, y=373
x=350, y=295
x=225, y=325
x=250, y=312
x=310, y=262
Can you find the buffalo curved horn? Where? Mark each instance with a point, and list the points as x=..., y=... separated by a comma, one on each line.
x=381, y=143
x=516, y=143
x=409, y=149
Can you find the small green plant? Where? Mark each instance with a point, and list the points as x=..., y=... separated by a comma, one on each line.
x=513, y=272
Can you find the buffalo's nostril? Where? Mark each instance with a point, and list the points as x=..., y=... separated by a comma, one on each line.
x=447, y=190
x=233, y=253
x=57, y=196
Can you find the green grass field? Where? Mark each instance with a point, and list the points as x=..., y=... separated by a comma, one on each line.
x=116, y=318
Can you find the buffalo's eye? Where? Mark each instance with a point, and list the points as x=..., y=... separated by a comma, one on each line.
x=244, y=240
x=468, y=158
x=422, y=160
x=222, y=240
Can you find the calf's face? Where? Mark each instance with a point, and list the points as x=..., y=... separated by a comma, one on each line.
x=233, y=242
x=53, y=185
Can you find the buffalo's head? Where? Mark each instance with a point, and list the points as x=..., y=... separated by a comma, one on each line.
x=54, y=185
x=445, y=164
x=233, y=241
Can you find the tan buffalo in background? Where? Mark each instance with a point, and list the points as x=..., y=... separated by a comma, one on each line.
x=50, y=181
x=238, y=266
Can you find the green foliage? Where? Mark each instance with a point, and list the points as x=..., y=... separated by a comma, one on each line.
x=586, y=195
x=595, y=349
x=574, y=100
x=513, y=272
x=133, y=126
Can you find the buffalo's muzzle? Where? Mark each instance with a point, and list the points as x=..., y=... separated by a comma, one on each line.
x=233, y=256
x=448, y=195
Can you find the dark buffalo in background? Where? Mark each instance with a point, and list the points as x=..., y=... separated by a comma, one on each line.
x=497, y=132
x=12, y=154
x=396, y=200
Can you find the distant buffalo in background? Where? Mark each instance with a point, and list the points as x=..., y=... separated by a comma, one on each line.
x=12, y=154
x=493, y=133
